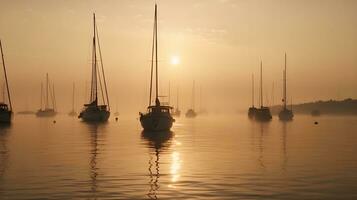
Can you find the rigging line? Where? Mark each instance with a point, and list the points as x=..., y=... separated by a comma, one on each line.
x=152, y=60
x=51, y=95
x=156, y=56
x=7, y=84
x=102, y=65
x=92, y=78
x=101, y=87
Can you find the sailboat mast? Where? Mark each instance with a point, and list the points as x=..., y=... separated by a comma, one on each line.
x=73, y=97
x=253, y=90
x=41, y=95
x=156, y=57
x=261, y=84
x=284, y=100
x=95, y=61
x=47, y=85
x=7, y=83
x=152, y=59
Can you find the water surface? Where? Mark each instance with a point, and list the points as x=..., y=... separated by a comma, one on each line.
x=224, y=157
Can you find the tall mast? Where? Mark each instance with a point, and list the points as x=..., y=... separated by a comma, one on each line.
x=152, y=59
x=261, y=84
x=156, y=57
x=73, y=97
x=7, y=83
x=47, y=85
x=253, y=90
x=95, y=61
x=284, y=92
x=41, y=95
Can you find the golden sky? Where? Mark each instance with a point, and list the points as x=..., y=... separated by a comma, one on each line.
x=217, y=43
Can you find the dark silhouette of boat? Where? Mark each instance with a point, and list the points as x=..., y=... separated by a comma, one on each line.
x=158, y=117
x=73, y=112
x=5, y=110
x=47, y=111
x=262, y=113
x=252, y=110
x=177, y=111
x=315, y=112
x=285, y=114
x=191, y=113
x=93, y=112
x=25, y=112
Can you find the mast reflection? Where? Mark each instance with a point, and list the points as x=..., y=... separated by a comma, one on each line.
x=96, y=132
x=4, y=152
x=156, y=143
x=284, y=143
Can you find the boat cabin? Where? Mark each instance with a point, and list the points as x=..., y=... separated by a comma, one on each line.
x=4, y=107
x=159, y=109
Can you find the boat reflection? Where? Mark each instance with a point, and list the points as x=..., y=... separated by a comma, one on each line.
x=96, y=132
x=4, y=152
x=157, y=143
x=284, y=143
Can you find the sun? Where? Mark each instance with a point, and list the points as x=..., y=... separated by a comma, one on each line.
x=175, y=60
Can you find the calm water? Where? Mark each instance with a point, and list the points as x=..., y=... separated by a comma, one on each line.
x=227, y=157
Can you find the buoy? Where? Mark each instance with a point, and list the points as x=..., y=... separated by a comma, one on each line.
x=316, y=123
x=54, y=121
x=116, y=119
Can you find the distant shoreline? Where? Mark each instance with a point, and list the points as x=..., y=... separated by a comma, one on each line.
x=330, y=107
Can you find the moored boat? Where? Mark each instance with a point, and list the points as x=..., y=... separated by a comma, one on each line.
x=263, y=113
x=158, y=117
x=93, y=111
x=49, y=109
x=285, y=114
x=5, y=109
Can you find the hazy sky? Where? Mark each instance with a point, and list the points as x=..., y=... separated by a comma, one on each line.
x=219, y=44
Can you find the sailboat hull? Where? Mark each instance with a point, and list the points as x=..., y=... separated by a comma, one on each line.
x=263, y=114
x=191, y=114
x=94, y=115
x=156, y=122
x=286, y=115
x=252, y=112
x=5, y=116
x=46, y=113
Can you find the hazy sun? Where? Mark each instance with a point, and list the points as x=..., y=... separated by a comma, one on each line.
x=175, y=60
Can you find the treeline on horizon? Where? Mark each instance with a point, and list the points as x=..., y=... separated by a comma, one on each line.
x=330, y=107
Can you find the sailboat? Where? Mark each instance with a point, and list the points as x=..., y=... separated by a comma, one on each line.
x=73, y=112
x=191, y=113
x=262, y=113
x=5, y=110
x=158, y=117
x=177, y=111
x=252, y=110
x=47, y=111
x=93, y=112
x=285, y=114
